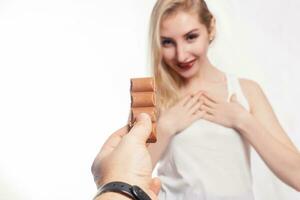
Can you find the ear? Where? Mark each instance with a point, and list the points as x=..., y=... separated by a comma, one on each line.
x=212, y=29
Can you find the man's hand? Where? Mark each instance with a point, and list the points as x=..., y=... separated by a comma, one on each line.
x=124, y=157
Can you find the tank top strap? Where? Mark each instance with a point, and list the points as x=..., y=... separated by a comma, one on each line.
x=234, y=87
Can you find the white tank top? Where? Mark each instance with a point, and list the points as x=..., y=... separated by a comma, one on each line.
x=207, y=161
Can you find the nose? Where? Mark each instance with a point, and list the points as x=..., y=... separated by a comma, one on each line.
x=181, y=54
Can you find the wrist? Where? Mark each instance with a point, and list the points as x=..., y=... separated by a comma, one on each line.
x=115, y=177
x=164, y=130
x=112, y=196
x=129, y=180
x=121, y=190
x=243, y=122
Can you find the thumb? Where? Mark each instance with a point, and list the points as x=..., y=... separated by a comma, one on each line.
x=142, y=127
x=155, y=185
x=233, y=98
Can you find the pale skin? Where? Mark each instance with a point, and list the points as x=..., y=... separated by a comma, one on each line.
x=259, y=126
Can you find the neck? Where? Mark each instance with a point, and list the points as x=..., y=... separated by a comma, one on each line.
x=207, y=74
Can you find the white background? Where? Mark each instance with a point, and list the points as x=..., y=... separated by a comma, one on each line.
x=64, y=83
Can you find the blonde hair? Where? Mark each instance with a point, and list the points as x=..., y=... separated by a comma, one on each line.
x=167, y=81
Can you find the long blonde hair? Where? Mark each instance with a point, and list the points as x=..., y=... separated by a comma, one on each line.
x=167, y=81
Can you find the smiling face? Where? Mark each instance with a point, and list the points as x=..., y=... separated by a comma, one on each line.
x=184, y=42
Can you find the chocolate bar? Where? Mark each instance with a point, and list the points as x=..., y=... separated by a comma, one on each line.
x=142, y=85
x=143, y=100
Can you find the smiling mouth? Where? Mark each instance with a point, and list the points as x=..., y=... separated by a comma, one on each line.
x=186, y=65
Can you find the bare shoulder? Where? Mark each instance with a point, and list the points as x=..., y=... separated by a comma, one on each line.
x=252, y=91
x=249, y=86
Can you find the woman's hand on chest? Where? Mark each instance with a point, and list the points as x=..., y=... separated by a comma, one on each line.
x=182, y=114
x=220, y=111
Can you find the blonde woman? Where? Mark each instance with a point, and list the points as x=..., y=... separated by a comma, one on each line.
x=208, y=118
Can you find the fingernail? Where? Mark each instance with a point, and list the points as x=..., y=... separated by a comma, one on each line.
x=143, y=116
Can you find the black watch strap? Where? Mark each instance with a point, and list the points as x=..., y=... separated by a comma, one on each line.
x=130, y=191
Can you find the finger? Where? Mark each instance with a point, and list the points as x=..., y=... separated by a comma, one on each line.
x=211, y=97
x=207, y=109
x=185, y=99
x=208, y=117
x=196, y=107
x=208, y=102
x=198, y=115
x=142, y=128
x=189, y=97
x=194, y=100
x=155, y=185
x=198, y=98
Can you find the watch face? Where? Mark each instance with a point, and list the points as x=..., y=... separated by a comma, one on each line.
x=139, y=194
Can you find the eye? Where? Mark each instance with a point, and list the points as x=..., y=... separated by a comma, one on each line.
x=166, y=42
x=192, y=36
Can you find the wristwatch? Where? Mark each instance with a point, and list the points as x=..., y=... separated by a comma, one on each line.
x=131, y=191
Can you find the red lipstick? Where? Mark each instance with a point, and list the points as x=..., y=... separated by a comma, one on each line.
x=186, y=65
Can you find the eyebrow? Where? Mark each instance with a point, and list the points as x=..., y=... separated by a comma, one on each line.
x=190, y=32
x=196, y=29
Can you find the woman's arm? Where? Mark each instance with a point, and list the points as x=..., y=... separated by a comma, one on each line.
x=157, y=149
x=260, y=127
x=264, y=132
